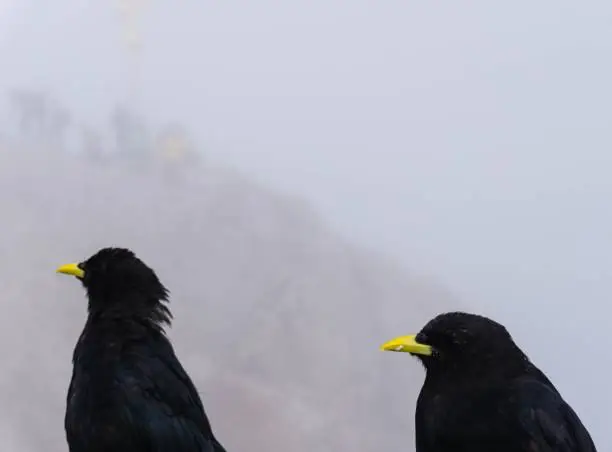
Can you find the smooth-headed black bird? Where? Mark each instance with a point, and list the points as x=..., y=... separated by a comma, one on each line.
x=482, y=393
x=129, y=392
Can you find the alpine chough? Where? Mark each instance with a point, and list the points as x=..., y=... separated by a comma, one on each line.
x=128, y=391
x=482, y=393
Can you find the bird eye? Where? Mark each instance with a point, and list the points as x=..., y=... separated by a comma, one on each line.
x=422, y=338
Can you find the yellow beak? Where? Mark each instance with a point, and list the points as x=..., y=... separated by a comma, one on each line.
x=407, y=344
x=71, y=269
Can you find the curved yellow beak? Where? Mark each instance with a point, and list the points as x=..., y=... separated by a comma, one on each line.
x=407, y=344
x=71, y=269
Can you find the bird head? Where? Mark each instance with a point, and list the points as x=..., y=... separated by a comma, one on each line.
x=459, y=341
x=115, y=278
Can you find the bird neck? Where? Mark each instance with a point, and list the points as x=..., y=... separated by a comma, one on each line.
x=136, y=308
x=106, y=337
x=475, y=368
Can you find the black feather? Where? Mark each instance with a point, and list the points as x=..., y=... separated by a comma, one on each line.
x=129, y=392
x=482, y=394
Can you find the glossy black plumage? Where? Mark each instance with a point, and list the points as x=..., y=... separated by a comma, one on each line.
x=482, y=394
x=129, y=392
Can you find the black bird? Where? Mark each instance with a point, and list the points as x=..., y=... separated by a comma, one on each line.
x=128, y=391
x=482, y=393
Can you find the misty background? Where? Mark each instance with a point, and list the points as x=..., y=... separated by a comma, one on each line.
x=350, y=169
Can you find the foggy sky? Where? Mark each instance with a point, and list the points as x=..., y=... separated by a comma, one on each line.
x=470, y=141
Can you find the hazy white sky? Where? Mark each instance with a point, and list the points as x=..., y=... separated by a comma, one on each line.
x=470, y=140
x=8, y=15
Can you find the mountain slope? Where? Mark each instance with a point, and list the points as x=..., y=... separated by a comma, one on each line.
x=278, y=319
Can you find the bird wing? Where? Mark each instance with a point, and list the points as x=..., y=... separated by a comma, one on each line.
x=165, y=405
x=549, y=422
